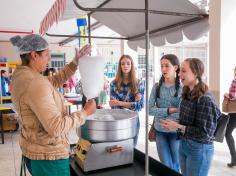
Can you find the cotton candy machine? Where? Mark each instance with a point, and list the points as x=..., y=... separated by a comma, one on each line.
x=106, y=139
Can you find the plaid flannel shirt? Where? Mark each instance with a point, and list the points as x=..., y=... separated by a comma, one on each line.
x=122, y=96
x=200, y=118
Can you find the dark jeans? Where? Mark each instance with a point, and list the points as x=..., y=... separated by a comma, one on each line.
x=229, y=137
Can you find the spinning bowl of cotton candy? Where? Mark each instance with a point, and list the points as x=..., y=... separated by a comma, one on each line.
x=107, y=125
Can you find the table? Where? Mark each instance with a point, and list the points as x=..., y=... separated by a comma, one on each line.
x=4, y=109
x=73, y=100
x=6, y=99
x=68, y=105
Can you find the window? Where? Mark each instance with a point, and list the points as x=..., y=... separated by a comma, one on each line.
x=57, y=61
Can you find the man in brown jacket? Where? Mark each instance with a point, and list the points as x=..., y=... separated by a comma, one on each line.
x=45, y=125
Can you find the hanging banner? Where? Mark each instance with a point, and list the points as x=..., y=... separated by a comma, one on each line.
x=81, y=24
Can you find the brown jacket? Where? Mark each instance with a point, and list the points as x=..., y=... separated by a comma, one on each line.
x=45, y=125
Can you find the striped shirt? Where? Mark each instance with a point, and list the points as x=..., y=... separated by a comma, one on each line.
x=200, y=118
x=232, y=90
x=166, y=100
x=127, y=96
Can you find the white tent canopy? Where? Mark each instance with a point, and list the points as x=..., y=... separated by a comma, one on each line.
x=179, y=17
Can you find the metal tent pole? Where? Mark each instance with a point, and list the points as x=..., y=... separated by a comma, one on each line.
x=100, y=9
x=147, y=82
x=89, y=29
x=76, y=36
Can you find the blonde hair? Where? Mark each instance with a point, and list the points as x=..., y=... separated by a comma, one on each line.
x=132, y=76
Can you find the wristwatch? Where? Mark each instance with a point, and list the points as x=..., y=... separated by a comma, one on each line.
x=168, y=111
x=181, y=129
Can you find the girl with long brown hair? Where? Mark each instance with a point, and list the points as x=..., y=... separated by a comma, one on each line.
x=164, y=104
x=126, y=91
x=198, y=120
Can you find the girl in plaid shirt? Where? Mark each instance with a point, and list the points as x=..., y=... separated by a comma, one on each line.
x=198, y=120
x=126, y=91
x=232, y=123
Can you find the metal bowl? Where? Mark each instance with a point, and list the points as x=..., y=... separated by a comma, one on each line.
x=107, y=125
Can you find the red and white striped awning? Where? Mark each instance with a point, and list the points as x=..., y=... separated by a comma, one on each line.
x=64, y=10
x=52, y=16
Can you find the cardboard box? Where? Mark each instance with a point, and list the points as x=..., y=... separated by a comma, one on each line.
x=10, y=126
x=10, y=122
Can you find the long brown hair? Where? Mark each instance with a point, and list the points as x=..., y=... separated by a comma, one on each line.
x=132, y=76
x=197, y=67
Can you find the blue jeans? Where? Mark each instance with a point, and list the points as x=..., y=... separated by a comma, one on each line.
x=168, y=149
x=195, y=157
x=136, y=136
